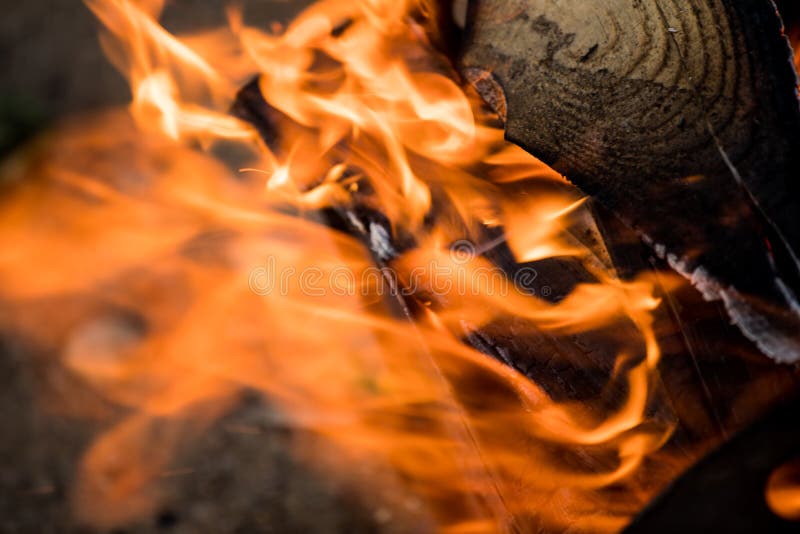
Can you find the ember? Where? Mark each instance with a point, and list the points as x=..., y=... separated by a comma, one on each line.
x=783, y=491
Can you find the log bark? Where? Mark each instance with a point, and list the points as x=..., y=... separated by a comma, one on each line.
x=680, y=117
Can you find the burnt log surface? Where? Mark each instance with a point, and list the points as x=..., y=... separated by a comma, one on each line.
x=725, y=491
x=680, y=117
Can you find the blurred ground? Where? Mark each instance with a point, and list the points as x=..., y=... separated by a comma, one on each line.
x=52, y=65
x=238, y=477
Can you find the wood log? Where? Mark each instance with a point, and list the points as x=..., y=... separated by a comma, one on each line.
x=725, y=491
x=680, y=117
x=716, y=380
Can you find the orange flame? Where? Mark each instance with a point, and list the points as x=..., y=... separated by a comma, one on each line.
x=181, y=282
x=783, y=491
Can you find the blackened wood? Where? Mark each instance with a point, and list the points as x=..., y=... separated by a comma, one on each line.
x=716, y=379
x=725, y=491
x=681, y=117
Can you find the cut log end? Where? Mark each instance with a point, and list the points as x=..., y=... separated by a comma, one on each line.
x=682, y=119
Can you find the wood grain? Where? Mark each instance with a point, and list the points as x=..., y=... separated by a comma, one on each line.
x=680, y=116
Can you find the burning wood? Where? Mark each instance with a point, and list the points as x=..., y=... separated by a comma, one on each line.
x=682, y=120
x=324, y=216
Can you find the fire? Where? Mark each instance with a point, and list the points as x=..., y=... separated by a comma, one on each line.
x=184, y=278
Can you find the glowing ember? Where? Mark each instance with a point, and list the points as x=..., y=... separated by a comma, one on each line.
x=180, y=281
x=783, y=491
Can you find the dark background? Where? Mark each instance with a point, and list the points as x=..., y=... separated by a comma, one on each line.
x=52, y=65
